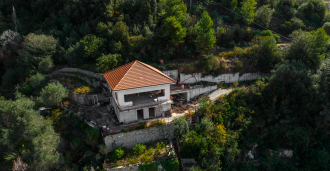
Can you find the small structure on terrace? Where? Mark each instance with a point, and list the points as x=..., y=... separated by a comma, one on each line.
x=139, y=91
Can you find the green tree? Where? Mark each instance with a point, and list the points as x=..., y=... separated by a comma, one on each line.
x=326, y=27
x=286, y=8
x=37, y=80
x=145, y=9
x=26, y=133
x=265, y=52
x=74, y=54
x=205, y=33
x=154, y=7
x=175, y=8
x=247, y=10
x=308, y=47
x=173, y=31
x=104, y=30
x=264, y=15
x=34, y=49
x=107, y=62
x=53, y=94
x=91, y=45
x=146, y=32
x=120, y=32
x=181, y=127
x=207, y=63
x=45, y=64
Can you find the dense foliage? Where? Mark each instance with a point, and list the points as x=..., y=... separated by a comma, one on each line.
x=38, y=36
x=288, y=111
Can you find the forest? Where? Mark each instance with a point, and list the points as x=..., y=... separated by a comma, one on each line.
x=289, y=110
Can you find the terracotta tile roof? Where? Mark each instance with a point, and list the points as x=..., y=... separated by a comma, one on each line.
x=135, y=74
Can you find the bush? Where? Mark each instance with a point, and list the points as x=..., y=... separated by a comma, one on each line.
x=118, y=153
x=107, y=62
x=45, y=64
x=181, y=127
x=170, y=66
x=139, y=149
x=37, y=80
x=103, y=149
x=53, y=94
x=83, y=90
x=270, y=33
x=207, y=63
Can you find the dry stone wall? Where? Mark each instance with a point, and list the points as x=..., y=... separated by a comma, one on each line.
x=87, y=73
x=141, y=136
x=227, y=78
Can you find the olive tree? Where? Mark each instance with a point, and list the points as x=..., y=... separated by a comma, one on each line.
x=53, y=94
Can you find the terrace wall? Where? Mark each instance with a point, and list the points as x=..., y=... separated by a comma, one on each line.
x=129, y=139
x=227, y=78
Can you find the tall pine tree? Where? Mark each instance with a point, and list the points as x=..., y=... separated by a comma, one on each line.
x=205, y=33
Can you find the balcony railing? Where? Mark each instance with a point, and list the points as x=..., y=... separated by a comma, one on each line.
x=141, y=105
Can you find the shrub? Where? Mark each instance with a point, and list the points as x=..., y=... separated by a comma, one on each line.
x=170, y=66
x=118, y=153
x=45, y=64
x=134, y=160
x=160, y=146
x=83, y=90
x=53, y=94
x=103, y=149
x=37, y=80
x=181, y=127
x=147, y=158
x=139, y=149
x=92, y=136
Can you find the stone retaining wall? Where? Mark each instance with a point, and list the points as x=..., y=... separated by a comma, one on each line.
x=87, y=73
x=227, y=78
x=141, y=136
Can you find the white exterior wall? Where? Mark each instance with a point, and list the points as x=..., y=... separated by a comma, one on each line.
x=166, y=107
x=227, y=78
x=145, y=113
x=121, y=93
x=199, y=91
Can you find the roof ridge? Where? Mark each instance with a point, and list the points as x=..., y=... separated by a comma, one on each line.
x=160, y=73
x=119, y=67
x=134, y=62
